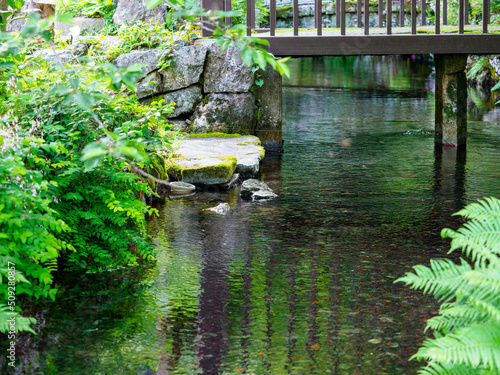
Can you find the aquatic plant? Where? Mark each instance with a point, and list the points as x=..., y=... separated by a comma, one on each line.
x=467, y=329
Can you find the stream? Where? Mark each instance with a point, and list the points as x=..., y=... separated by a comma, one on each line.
x=304, y=283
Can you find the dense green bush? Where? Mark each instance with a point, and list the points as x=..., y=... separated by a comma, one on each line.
x=467, y=329
x=59, y=210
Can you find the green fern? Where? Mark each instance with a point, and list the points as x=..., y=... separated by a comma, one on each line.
x=467, y=329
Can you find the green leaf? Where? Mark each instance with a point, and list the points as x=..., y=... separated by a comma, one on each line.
x=85, y=101
x=260, y=60
x=46, y=34
x=247, y=56
x=92, y=151
x=152, y=3
x=66, y=18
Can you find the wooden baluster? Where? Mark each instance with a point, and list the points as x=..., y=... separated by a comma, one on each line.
x=249, y=16
x=367, y=17
x=423, y=4
x=380, y=13
x=485, y=16
x=401, y=13
x=358, y=12
x=295, y=17
x=337, y=13
x=319, y=27
x=227, y=8
x=438, y=17
x=317, y=16
x=461, y=16
x=413, y=16
x=342, y=17
x=388, y=20
x=272, y=17
x=445, y=12
x=208, y=28
x=466, y=10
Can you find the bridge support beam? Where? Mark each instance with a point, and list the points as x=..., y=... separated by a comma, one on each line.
x=451, y=99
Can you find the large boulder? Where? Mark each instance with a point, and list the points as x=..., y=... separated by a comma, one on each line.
x=226, y=113
x=185, y=69
x=149, y=57
x=225, y=71
x=149, y=85
x=185, y=100
x=136, y=10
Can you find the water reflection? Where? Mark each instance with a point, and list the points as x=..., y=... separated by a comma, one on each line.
x=302, y=284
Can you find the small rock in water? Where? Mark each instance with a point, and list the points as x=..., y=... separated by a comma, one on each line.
x=255, y=189
x=263, y=194
x=221, y=209
x=231, y=183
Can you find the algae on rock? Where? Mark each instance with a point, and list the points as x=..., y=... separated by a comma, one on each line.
x=207, y=171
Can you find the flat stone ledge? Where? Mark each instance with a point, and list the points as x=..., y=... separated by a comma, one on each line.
x=246, y=149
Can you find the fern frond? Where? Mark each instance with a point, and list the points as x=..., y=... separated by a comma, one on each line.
x=487, y=209
x=454, y=316
x=441, y=279
x=485, y=278
x=437, y=368
x=51, y=264
x=473, y=346
x=22, y=323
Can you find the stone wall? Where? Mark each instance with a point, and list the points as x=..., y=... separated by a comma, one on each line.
x=213, y=90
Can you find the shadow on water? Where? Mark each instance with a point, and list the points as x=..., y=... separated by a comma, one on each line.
x=302, y=284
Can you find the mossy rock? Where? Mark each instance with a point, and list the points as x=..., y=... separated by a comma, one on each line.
x=206, y=171
x=156, y=168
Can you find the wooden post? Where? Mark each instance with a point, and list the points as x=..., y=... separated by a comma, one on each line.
x=210, y=5
x=451, y=100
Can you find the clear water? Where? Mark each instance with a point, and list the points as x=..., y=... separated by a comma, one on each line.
x=302, y=284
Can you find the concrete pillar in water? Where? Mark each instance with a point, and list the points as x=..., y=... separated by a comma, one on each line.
x=269, y=118
x=451, y=99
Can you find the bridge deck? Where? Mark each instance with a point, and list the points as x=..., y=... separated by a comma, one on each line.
x=401, y=41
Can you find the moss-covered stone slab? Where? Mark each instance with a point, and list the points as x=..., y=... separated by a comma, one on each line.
x=246, y=149
x=205, y=171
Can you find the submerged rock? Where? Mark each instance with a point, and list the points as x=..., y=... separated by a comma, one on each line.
x=221, y=209
x=255, y=189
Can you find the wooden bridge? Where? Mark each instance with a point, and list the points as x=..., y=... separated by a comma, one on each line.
x=388, y=38
x=450, y=45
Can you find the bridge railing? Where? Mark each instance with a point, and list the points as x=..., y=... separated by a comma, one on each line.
x=385, y=15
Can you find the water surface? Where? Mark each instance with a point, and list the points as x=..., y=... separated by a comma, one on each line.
x=302, y=284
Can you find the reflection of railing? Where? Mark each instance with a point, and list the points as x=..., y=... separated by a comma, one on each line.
x=476, y=39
